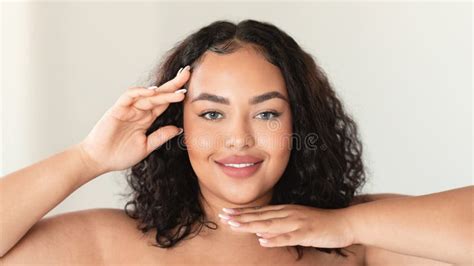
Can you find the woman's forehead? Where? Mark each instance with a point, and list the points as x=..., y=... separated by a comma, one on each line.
x=243, y=73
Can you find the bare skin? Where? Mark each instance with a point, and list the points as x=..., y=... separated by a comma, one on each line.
x=116, y=240
x=108, y=236
x=115, y=143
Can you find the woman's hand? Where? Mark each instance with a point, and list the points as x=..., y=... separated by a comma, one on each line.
x=118, y=140
x=291, y=225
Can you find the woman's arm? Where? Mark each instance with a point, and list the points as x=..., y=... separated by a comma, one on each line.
x=437, y=226
x=116, y=142
x=31, y=192
x=364, y=198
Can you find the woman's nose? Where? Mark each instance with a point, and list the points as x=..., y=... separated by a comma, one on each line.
x=239, y=135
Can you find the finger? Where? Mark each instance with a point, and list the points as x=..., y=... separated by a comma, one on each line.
x=274, y=226
x=253, y=209
x=149, y=103
x=259, y=215
x=287, y=239
x=131, y=94
x=266, y=235
x=177, y=82
x=160, y=136
x=158, y=110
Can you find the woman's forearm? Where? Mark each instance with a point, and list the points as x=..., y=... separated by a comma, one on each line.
x=31, y=192
x=364, y=198
x=437, y=226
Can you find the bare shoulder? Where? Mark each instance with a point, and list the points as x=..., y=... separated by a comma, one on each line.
x=72, y=237
x=108, y=219
x=120, y=240
x=372, y=256
x=377, y=256
x=113, y=225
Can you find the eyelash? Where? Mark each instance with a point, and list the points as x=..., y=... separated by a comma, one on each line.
x=274, y=113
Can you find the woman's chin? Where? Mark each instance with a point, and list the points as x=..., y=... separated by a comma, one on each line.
x=240, y=200
x=245, y=197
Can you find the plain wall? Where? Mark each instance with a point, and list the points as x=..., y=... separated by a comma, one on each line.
x=402, y=69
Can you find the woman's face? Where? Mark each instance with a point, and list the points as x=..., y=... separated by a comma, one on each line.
x=223, y=116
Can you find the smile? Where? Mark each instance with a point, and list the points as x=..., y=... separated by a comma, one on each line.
x=240, y=165
x=240, y=170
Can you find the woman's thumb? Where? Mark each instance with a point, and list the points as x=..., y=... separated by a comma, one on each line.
x=160, y=136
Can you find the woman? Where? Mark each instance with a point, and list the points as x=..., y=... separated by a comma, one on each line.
x=264, y=134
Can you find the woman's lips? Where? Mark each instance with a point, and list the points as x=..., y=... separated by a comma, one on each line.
x=240, y=172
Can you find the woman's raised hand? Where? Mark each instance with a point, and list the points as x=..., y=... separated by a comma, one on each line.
x=118, y=140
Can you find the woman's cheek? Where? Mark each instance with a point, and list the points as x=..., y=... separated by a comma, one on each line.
x=275, y=137
x=200, y=142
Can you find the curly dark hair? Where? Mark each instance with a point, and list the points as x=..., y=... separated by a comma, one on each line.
x=164, y=188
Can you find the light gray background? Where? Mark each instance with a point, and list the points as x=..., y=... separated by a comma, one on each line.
x=402, y=69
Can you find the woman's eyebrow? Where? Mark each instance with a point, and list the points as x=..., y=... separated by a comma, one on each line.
x=255, y=100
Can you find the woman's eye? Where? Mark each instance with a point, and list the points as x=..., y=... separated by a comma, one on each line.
x=266, y=117
x=212, y=115
x=209, y=115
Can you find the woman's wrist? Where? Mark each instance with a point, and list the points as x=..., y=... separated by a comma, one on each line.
x=355, y=221
x=92, y=168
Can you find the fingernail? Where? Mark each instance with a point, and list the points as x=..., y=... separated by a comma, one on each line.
x=262, y=240
x=180, y=131
x=179, y=71
x=224, y=216
x=231, y=211
x=234, y=223
x=258, y=234
x=181, y=91
x=152, y=87
x=186, y=68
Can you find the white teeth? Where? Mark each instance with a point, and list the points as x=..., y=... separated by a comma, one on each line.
x=241, y=165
